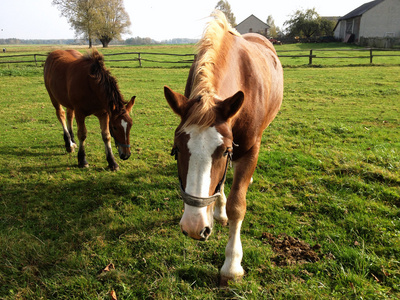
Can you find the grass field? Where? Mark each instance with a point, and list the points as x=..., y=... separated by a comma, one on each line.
x=328, y=177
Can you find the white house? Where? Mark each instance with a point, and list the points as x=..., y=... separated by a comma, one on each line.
x=252, y=24
x=379, y=19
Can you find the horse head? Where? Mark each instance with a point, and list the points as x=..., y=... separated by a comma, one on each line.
x=120, y=127
x=202, y=153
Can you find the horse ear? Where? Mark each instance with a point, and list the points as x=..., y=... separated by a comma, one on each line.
x=129, y=106
x=230, y=106
x=175, y=100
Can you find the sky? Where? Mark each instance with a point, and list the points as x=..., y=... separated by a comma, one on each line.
x=157, y=19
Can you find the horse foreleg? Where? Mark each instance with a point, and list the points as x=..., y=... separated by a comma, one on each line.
x=236, y=209
x=232, y=268
x=82, y=133
x=105, y=134
x=70, y=118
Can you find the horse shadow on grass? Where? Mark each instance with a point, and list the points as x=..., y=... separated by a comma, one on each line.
x=66, y=213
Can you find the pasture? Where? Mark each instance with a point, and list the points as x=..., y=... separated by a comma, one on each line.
x=323, y=216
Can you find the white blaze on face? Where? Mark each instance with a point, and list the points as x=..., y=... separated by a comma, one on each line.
x=124, y=125
x=202, y=144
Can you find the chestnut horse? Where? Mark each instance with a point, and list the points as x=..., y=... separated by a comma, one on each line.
x=85, y=87
x=233, y=92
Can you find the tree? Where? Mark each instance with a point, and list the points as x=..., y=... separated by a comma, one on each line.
x=225, y=7
x=102, y=19
x=307, y=24
x=113, y=21
x=273, y=30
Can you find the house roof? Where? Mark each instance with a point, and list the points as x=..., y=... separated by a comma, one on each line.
x=359, y=11
x=266, y=25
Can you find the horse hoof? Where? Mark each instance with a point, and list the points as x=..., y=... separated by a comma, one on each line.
x=114, y=168
x=85, y=165
x=224, y=280
x=71, y=148
x=222, y=222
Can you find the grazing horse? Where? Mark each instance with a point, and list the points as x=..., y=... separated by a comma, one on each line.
x=233, y=92
x=83, y=85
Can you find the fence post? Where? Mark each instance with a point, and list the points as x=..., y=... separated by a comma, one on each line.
x=310, y=58
x=370, y=56
x=35, y=59
x=140, y=60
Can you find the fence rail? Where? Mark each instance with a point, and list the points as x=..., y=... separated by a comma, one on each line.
x=311, y=55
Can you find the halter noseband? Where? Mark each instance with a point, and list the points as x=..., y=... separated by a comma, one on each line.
x=203, y=201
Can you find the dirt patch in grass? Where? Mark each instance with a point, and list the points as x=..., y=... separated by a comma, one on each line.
x=290, y=250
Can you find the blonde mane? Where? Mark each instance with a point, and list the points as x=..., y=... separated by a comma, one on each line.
x=208, y=53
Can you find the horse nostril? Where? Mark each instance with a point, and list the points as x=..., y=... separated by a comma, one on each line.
x=124, y=156
x=205, y=232
x=184, y=232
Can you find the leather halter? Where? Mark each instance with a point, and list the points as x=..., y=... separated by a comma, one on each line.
x=203, y=201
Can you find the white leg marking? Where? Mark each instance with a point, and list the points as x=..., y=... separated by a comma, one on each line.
x=108, y=148
x=220, y=208
x=233, y=253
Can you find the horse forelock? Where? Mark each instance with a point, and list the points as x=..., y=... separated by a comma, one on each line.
x=103, y=78
x=201, y=113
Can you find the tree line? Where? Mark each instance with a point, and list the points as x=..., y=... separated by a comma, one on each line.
x=130, y=41
x=106, y=20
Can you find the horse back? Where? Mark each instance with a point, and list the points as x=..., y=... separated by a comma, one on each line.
x=259, y=75
x=273, y=74
x=66, y=79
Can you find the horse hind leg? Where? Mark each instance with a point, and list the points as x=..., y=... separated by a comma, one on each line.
x=82, y=133
x=70, y=118
x=220, y=209
x=61, y=117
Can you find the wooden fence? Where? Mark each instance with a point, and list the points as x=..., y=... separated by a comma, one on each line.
x=371, y=53
x=140, y=58
x=367, y=53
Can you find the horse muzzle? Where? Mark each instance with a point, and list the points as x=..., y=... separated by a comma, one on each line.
x=197, y=219
x=124, y=151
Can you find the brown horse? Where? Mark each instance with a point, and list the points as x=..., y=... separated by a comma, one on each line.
x=217, y=127
x=85, y=87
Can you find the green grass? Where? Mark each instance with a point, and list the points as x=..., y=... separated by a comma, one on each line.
x=328, y=173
